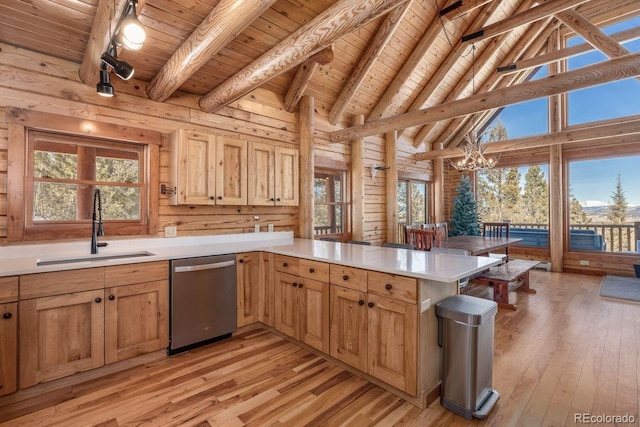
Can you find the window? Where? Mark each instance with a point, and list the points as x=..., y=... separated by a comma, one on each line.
x=330, y=203
x=604, y=200
x=413, y=201
x=54, y=174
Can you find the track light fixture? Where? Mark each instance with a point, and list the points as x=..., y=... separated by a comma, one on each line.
x=130, y=34
x=104, y=87
x=123, y=69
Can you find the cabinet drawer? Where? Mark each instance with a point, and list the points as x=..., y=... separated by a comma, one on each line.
x=398, y=287
x=315, y=270
x=127, y=274
x=287, y=264
x=349, y=277
x=61, y=282
x=8, y=289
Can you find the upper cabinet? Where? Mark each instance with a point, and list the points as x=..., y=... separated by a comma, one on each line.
x=273, y=175
x=208, y=169
x=218, y=170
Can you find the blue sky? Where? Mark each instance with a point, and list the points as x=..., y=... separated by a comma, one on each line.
x=592, y=182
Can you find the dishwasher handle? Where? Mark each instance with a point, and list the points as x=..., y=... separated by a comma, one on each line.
x=213, y=266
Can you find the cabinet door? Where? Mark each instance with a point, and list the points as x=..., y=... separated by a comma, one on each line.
x=267, y=291
x=393, y=334
x=60, y=335
x=261, y=174
x=231, y=171
x=8, y=347
x=287, y=183
x=193, y=167
x=137, y=320
x=348, y=341
x=248, y=280
x=313, y=313
x=286, y=315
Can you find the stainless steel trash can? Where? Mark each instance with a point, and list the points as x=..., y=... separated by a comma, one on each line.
x=465, y=331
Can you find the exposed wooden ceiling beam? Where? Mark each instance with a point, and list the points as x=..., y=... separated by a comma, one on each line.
x=367, y=59
x=569, y=52
x=570, y=136
x=228, y=19
x=533, y=40
x=460, y=7
x=303, y=77
x=592, y=34
x=106, y=21
x=330, y=25
x=600, y=73
x=522, y=18
x=428, y=38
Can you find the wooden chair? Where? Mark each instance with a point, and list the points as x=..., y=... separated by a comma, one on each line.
x=397, y=245
x=497, y=229
x=422, y=239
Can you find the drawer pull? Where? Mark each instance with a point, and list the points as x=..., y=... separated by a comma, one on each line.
x=241, y=261
x=371, y=305
x=312, y=270
x=345, y=277
x=98, y=300
x=284, y=264
x=361, y=302
x=7, y=316
x=388, y=286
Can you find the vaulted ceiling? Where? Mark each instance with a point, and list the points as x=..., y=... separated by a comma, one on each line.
x=379, y=58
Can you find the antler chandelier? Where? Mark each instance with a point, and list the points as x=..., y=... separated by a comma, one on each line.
x=474, y=158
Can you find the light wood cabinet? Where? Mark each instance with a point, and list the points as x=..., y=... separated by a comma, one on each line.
x=248, y=283
x=8, y=334
x=302, y=309
x=273, y=175
x=348, y=341
x=60, y=335
x=136, y=320
x=208, y=169
x=267, y=289
x=69, y=322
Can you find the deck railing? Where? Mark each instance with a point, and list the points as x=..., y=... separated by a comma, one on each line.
x=327, y=230
x=619, y=237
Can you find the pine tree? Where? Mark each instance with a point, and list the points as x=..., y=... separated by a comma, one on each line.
x=618, y=207
x=576, y=212
x=536, y=195
x=464, y=218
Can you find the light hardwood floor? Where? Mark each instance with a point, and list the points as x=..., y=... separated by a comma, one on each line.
x=564, y=351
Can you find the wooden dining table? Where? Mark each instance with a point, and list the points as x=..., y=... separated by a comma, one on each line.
x=479, y=245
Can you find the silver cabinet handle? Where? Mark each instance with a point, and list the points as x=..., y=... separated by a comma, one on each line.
x=204, y=266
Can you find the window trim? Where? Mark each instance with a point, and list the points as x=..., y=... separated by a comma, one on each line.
x=331, y=167
x=20, y=122
x=428, y=196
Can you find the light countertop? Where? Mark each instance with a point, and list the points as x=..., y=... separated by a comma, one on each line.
x=23, y=259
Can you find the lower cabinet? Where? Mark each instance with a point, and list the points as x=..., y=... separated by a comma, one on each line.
x=61, y=335
x=302, y=309
x=375, y=334
x=8, y=348
x=64, y=329
x=248, y=285
x=136, y=320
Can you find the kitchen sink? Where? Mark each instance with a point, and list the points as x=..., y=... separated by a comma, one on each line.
x=91, y=258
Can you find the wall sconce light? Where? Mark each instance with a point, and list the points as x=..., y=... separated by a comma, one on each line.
x=130, y=34
x=104, y=87
x=375, y=169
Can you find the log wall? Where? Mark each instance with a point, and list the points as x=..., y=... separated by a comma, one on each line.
x=35, y=81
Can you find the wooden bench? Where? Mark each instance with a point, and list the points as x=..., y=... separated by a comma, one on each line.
x=509, y=277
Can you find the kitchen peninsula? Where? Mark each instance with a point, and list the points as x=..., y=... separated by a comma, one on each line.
x=315, y=292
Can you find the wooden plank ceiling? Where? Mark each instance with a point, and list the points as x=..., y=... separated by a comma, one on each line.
x=380, y=58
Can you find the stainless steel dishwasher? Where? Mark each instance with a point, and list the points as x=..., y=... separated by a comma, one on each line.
x=203, y=301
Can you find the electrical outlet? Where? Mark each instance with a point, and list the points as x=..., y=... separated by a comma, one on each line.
x=256, y=228
x=270, y=228
x=170, y=231
x=256, y=217
x=426, y=304
x=584, y=262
